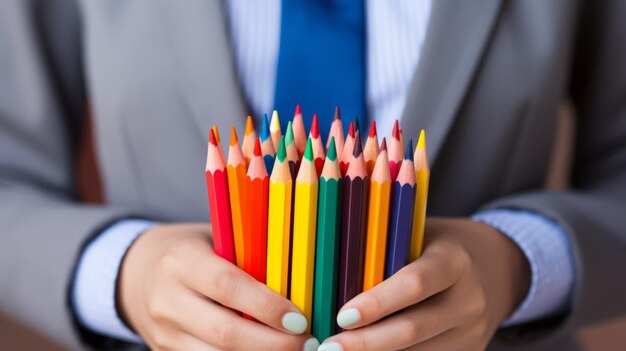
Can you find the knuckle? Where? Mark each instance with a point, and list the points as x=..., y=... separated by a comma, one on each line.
x=414, y=283
x=226, y=335
x=479, y=305
x=224, y=286
x=269, y=306
x=409, y=331
x=374, y=302
x=157, y=308
x=169, y=264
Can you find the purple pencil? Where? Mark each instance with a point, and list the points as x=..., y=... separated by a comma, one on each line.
x=399, y=238
x=353, y=227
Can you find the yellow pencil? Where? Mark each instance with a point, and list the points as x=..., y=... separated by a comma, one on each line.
x=377, y=221
x=304, y=226
x=422, y=176
x=279, y=223
x=236, y=169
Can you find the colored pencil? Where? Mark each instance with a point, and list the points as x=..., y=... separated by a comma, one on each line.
x=292, y=151
x=255, y=221
x=267, y=146
x=377, y=221
x=304, y=228
x=327, y=248
x=357, y=128
x=401, y=139
x=395, y=152
x=279, y=223
x=275, y=129
x=299, y=134
x=318, y=146
x=219, y=142
x=236, y=169
x=370, y=152
x=336, y=131
x=353, y=227
x=348, y=147
x=249, y=137
x=422, y=176
x=219, y=205
x=399, y=242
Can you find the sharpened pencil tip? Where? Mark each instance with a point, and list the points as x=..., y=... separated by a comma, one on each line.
x=351, y=130
x=282, y=150
x=298, y=111
x=275, y=123
x=421, y=142
x=372, y=133
x=265, y=128
x=233, y=136
x=212, y=138
x=356, y=124
x=289, y=137
x=408, y=155
x=315, y=127
x=358, y=146
x=257, y=148
x=217, y=133
x=337, y=113
x=249, y=125
x=332, y=150
x=383, y=145
x=395, y=133
x=308, y=152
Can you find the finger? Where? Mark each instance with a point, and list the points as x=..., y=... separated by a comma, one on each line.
x=453, y=339
x=226, y=330
x=223, y=282
x=434, y=272
x=416, y=324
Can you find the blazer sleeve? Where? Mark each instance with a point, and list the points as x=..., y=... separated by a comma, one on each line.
x=593, y=211
x=42, y=226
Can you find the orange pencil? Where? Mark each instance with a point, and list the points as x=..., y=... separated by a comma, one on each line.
x=318, y=147
x=396, y=152
x=219, y=205
x=377, y=221
x=255, y=230
x=370, y=152
x=348, y=147
x=236, y=169
x=249, y=137
x=219, y=143
x=299, y=134
x=336, y=131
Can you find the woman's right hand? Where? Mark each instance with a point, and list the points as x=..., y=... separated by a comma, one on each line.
x=179, y=295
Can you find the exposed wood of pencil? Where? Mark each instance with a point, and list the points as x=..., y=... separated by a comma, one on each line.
x=370, y=152
x=219, y=204
x=318, y=146
x=304, y=232
x=395, y=151
x=348, y=148
x=219, y=142
x=247, y=146
x=336, y=131
x=327, y=247
x=377, y=223
x=299, y=133
x=422, y=176
x=353, y=229
x=279, y=223
x=236, y=169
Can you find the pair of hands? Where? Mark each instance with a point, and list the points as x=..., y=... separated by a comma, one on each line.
x=178, y=295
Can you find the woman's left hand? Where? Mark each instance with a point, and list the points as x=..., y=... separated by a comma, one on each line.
x=468, y=280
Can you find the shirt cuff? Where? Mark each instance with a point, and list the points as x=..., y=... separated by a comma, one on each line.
x=548, y=250
x=93, y=295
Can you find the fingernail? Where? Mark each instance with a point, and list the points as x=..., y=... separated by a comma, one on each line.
x=294, y=322
x=348, y=318
x=311, y=345
x=330, y=346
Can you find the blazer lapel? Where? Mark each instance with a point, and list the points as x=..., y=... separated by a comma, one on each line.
x=457, y=36
x=204, y=64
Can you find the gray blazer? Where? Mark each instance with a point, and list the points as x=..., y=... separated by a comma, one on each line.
x=156, y=74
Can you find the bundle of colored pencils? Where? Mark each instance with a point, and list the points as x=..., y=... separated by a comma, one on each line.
x=317, y=223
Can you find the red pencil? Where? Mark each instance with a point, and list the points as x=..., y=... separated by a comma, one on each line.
x=396, y=152
x=318, y=147
x=347, y=150
x=219, y=203
x=255, y=233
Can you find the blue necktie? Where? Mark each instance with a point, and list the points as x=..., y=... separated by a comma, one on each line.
x=321, y=62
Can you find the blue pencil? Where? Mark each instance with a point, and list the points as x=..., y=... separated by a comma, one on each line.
x=399, y=238
x=267, y=146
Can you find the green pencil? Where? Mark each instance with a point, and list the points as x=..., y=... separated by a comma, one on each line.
x=327, y=250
